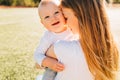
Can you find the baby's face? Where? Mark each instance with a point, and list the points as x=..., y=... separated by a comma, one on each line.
x=52, y=17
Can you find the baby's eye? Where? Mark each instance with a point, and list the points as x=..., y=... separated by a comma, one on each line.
x=46, y=17
x=56, y=12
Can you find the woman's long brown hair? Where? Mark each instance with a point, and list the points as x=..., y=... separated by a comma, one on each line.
x=95, y=37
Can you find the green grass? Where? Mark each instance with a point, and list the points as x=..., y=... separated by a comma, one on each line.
x=20, y=31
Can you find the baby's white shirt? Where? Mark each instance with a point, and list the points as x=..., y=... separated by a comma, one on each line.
x=47, y=40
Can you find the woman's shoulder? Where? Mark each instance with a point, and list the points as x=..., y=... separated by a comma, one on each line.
x=68, y=44
x=66, y=49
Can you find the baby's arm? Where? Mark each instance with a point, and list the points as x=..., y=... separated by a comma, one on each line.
x=50, y=53
x=44, y=44
x=50, y=62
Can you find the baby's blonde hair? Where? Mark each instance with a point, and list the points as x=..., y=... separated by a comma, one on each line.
x=45, y=2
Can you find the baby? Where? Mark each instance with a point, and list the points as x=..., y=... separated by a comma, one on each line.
x=53, y=20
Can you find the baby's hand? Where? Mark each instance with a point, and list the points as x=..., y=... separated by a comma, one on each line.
x=53, y=64
x=38, y=66
x=57, y=66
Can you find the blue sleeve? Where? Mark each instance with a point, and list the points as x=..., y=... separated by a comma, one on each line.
x=40, y=51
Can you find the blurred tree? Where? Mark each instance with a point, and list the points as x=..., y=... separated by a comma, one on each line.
x=118, y=1
x=113, y=1
x=6, y=2
x=107, y=1
x=36, y=2
x=30, y=3
x=18, y=3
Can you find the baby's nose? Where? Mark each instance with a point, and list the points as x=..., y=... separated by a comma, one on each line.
x=54, y=17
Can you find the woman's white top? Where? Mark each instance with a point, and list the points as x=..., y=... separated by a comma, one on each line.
x=47, y=40
x=71, y=55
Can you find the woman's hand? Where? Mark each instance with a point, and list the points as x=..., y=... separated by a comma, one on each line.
x=53, y=64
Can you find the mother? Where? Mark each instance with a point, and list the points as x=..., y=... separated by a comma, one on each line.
x=94, y=56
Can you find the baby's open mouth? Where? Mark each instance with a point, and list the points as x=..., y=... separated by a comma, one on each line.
x=55, y=23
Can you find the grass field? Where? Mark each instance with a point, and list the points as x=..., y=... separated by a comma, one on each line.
x=20, y=31
x=19, y=35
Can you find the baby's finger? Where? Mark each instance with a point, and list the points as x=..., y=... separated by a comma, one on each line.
x=59, y=69
x=60, y=64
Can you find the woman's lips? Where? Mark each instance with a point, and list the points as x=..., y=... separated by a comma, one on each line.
x=55, y=23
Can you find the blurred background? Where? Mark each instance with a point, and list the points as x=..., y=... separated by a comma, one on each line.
x=21, y=30
x=34, y=3
x=25, y=3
